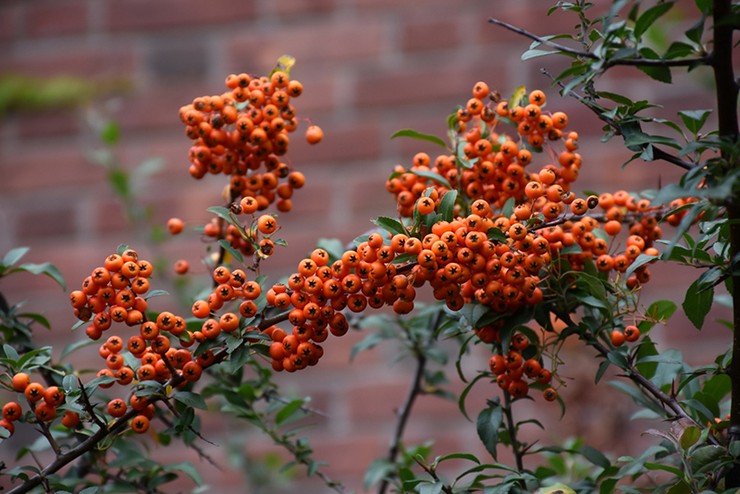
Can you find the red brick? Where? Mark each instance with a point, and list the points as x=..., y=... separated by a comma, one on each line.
x=317, y=43
x=438, y=32
x=343, y=142
x=58, y=220
x=48, y=165
x=144, y=15
x=391, y=87
x=287, y=8
x=11, y=14
x=46, y=124
x=91, y=62
x=52, y=18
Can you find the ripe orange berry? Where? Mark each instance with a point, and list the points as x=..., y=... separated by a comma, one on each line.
x=70, y=419
x=117, y=407
x=550, y=394
x=618, y=338
x=314, y=134
x=45, y=412
x=140, y=424
x=175, y=226
x=8, y=425
x=267, y=224
x=20, y=381
x=12, y=411
x=631, y=333
x=181, y=266
x=34, y=392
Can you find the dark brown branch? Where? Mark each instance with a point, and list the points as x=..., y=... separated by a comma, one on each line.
x=544, y=41
x=511, y=427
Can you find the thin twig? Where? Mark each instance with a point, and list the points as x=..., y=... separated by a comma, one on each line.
x=544, y=41
x=416, y=388
x=600, y=111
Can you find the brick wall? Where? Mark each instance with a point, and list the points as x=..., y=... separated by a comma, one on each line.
x=369, y=68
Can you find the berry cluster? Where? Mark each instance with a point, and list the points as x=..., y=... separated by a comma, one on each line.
x=243, y=133
x=114, y=293
x=43, y=401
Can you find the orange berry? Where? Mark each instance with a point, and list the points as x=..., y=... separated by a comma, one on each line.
x=12, y=411
x=175, y=226
x=618, y=338
x=34, y=392
x=20, y=381
x=267, y=224
x=314, y=134
x=70, y=419
x=140, y=424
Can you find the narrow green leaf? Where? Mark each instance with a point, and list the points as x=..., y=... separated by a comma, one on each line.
x=36, y=318
x=447, y=205
x=377, y=471
x=188, y=469
x=418, y=135
x=288, y=410
x=697, y=303
x=649, y=17
x=641, y=260
x=226, y=245
x=72, y=347
x=435, y=177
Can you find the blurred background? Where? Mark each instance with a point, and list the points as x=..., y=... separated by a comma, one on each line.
x=89, y=99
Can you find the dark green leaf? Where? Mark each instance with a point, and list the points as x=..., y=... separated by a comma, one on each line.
x=36, y=318
x=694, y=120
x=447, y=205
x=641, y=260
x=390, y=225
x=487, y=425
x=190, y=399
x=418, y=135
x=697, y=303
x=649, y=17
x=226, y=245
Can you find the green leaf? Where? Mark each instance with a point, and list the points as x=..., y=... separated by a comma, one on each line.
x=193, y=400
x=649, y=17
x=110, y=133
x=226, y=245
x=45, y=268
x=697, y=303
x=377, y=471
x=36, y=318
x=12, y=257
x=641, y=260
x=120, y=182
x=487, y=425
x=435, y=177
x=288, y=410
x=517, y=95
x=72, y=347
x=694, y=120
x=689, y=437
x=188, y=469
x=534, y=53
x=659, y=73
x=418, y=135
x=595, y=456
x=390, y=225
x=447, y=205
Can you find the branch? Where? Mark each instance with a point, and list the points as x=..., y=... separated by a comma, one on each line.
x=641, y=381
x=511, y=428
x=544, y=41
x=658, y=153
x=404, y=413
